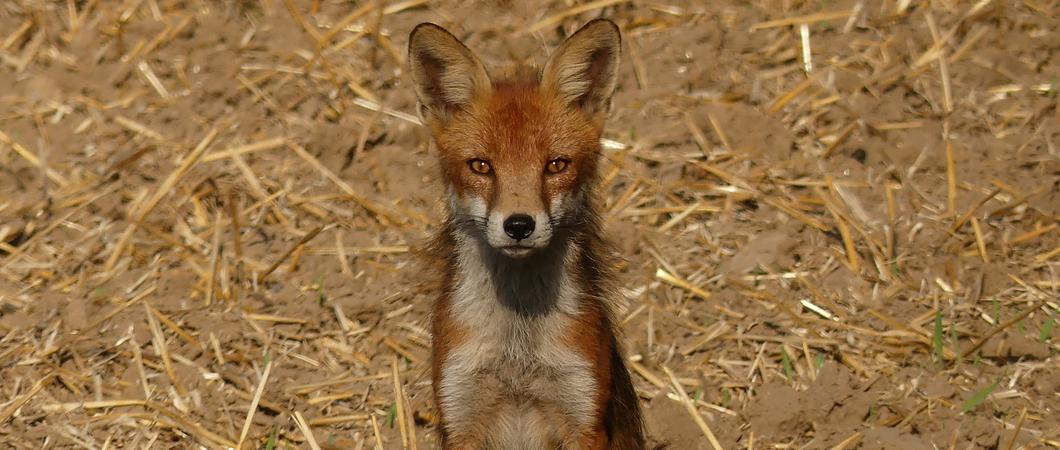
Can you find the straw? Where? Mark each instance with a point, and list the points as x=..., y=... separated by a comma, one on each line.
x=798, y=196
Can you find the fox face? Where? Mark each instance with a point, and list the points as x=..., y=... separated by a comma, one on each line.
x=518, y=157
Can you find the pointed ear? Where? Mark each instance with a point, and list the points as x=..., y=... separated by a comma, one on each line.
x=445, y=73
x=584, y=70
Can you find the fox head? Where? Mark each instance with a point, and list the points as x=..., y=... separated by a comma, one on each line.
x=518, y=156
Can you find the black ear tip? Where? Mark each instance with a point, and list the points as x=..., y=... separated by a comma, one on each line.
x=602, y=23
x=425, y=27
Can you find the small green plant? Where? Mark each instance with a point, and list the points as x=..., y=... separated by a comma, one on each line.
x=936, y=339
x=271, y=442
x=318, y=285
x=391, y=415
x=978, y=397
x=789, y=370
x=1046, y=334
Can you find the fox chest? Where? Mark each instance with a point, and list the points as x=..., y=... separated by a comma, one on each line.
x=517, y=381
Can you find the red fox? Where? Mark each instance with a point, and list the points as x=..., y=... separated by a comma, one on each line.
x=524, y=349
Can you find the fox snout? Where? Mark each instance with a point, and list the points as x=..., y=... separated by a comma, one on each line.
x=519, y=226
x=519, y=234
x=512, y=227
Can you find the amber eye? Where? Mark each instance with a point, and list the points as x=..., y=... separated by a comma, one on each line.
x=479, y=166
x=557, y=165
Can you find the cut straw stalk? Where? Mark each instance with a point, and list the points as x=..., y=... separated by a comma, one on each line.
x=800, y=20
x=10, y=410
x=301, y=21
x=174, y=327
x=313, y=387
x=848, y=442
x=138, y=128
x=807, y=54
x=1047, y=255
x=136, y=217
x=697, y=134
x=1038, y=230
x=979, y=241
x=179, y=420
x=783, y=100
x=674, y=280
x=840, y=138
x=399, y=402
x=646, y=374
x=306, y=431
x=968, y=214
x=848, y=242
x=254, y=404
x=944, y=71
x=16, y=34
x=557, y=18
x=139, y=360
x=1016, y=431
x=679, y=217
x=267, y=144
x=993, y=332
x=692, y=411
x=163, y=350
x=33, y=159
x=336, y=420
x=377, y=434
x=287, y=254
x=325, y=40
x=378, y=211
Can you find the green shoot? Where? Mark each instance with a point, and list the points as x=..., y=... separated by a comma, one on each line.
x=391, y=415
x=978, y=397
x=271, y=442
x=1046, y=334
x=789, y=370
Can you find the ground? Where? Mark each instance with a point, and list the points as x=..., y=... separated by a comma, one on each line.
x=838, y=220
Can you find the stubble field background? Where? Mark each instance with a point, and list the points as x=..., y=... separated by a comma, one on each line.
x=210, y=208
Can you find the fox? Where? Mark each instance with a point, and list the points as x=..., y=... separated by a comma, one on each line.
x=525, y=353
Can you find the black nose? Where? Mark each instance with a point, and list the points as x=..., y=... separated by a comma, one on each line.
x=519, y=226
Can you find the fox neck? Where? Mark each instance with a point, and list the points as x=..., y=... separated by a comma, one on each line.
x=546, y=281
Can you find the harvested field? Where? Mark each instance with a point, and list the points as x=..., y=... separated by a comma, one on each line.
x=839, y=220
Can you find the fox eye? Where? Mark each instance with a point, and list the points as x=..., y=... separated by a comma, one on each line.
x=479, y=166
x=557, y=165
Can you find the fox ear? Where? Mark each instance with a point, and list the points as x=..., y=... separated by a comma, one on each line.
x=584, y=70
x=445, y=72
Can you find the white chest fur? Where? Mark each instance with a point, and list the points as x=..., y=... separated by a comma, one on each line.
x=514, y=377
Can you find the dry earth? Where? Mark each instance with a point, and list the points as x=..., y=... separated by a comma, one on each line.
x=209, y=208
